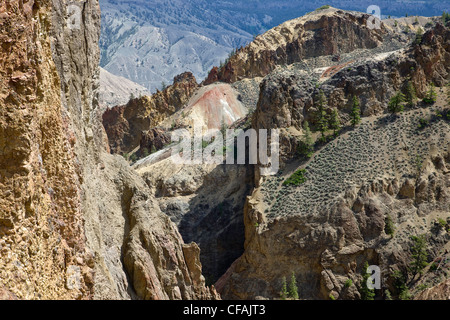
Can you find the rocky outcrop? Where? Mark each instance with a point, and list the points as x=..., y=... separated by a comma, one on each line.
x=124, y=124
x=204, y=213
x=153, y=140
x=75, y=221
x=323, y=32
x=42, y=242
x=288, y=97
x=439, y=292
x=325, y=229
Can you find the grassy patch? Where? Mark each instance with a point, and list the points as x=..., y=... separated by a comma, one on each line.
x=323, y=7
x=297, y=178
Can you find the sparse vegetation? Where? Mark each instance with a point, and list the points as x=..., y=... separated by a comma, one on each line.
x=419, y=166
x=297, y=178
x=448, y=94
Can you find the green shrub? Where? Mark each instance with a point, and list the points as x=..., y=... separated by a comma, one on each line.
x=348, y=283
x=433, y=266
x=323, y=7
x=389, y=227
x=422, y=123
x=297, y=178
x=442, y=223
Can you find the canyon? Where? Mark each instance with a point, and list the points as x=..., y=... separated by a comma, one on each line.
x=93, y=206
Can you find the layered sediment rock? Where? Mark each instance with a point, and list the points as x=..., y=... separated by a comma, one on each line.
x=324, y=32
x=124, y=124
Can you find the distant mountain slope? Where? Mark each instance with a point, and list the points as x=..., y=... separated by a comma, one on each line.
x=151, y=41
x=117, y=90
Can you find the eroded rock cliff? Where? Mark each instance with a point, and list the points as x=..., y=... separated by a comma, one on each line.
x=124, y=124
x=76, y=222
x=323, y=32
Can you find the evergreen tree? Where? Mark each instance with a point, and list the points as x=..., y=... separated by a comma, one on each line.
x=396, y=103
x=284, y=292
x=411, y=97
x=387, y=295
x=322, y=119
x=446, y=18
x=356, y=111
x=419, y=254
x=306, y=146
x=335, y=122
x=365, y=291
x=401, y=288
x=430, y=97
x=419, y=36
x=293, y=290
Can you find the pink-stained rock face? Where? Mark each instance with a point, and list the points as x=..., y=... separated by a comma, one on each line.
x=215, y=105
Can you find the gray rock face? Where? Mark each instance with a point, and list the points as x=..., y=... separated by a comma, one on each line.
x=206, y=203
x=137, y=250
